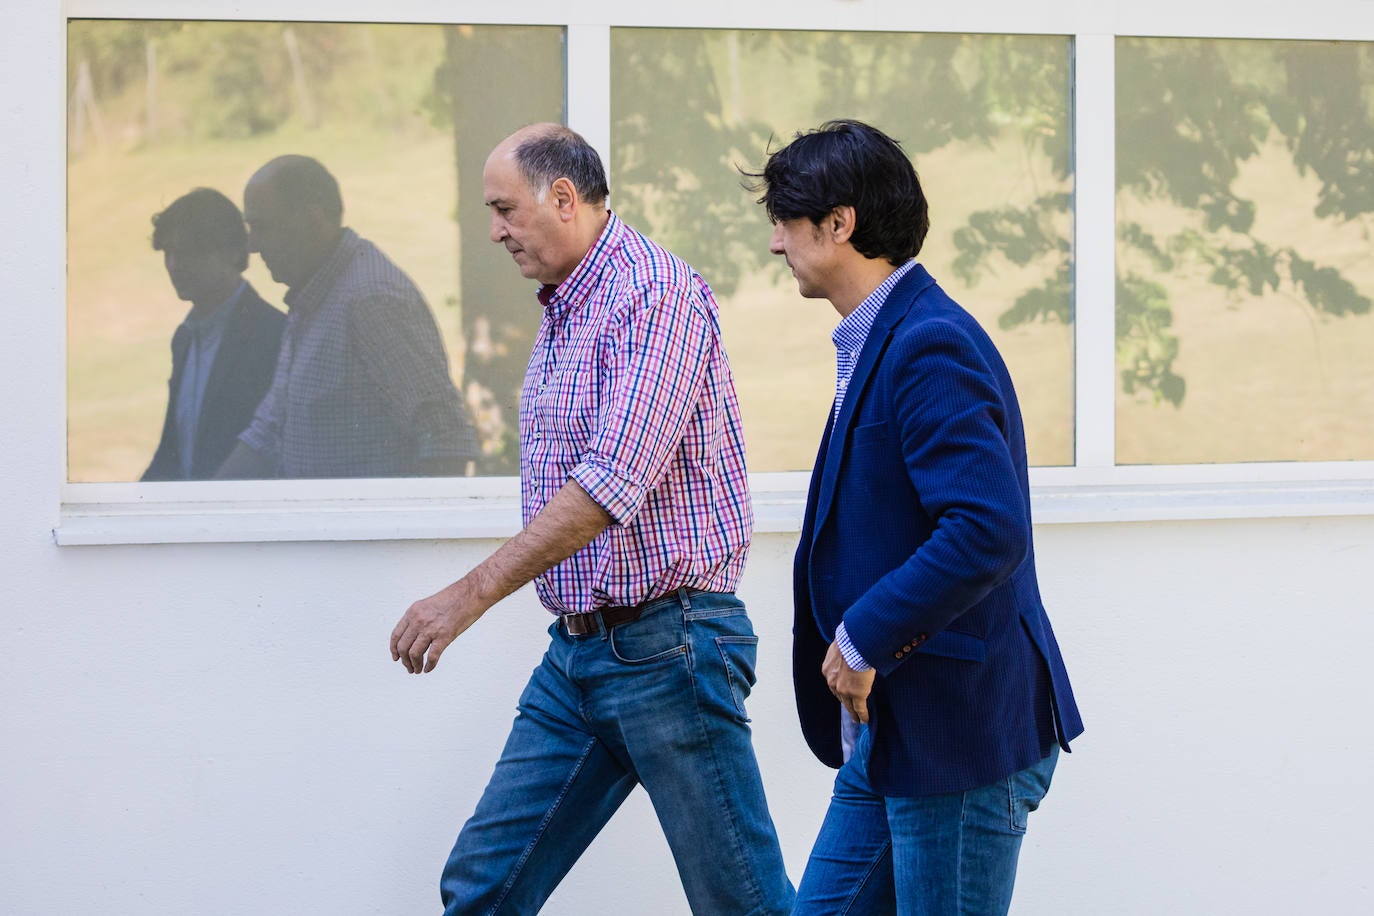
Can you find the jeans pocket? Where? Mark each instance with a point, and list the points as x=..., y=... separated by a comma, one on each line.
x=1026, y=789
x=740, y=656
x=653, y=638
x=1019, y=807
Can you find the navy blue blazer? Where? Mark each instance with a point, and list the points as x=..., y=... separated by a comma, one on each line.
x=917, y=535
x=241, y=374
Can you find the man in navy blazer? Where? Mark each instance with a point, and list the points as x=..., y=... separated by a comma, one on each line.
x=225, y=351
x=925, y=668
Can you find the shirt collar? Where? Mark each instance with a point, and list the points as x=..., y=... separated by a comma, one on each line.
x=853, y=329
x=312, y=295
x=574, y=290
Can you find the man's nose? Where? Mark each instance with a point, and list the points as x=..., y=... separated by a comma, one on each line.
x=775, y=243
x=498, y=229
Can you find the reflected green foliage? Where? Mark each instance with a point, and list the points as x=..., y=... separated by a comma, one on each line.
x=231, y=66
x=1189, y=114
x=1145, y=349
x=500, y=316
x=1326, y=117
x=113, y=51
x=929, y=90
x=690, y=202
x=948, y=88
x=234, y=80
x=1021, y=236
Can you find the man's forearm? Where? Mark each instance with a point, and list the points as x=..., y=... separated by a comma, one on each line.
x=569, y=522
x=566, y=524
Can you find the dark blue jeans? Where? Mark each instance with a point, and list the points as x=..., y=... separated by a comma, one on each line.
x=936, y=855
x=659, y=701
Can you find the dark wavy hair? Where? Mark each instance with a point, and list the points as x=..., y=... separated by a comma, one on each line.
x=202, y=221
x=561, y=152
x=848, y=163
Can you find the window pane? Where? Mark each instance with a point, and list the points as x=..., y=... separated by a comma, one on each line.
x=986, y=120
x=1245, y=188
x=403, y=116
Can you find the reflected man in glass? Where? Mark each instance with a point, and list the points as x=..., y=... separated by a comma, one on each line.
x=225, y=351
x=362, y=386
x=925, y=668
x=637, y=523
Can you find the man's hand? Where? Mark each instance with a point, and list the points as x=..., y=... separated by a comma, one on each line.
x=850, y=687
x=569, y=522
x=430, y=625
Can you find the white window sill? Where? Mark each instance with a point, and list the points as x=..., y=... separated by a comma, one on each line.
x=383, y=510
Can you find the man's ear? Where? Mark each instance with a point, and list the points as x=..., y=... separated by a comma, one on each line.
x=839, y=223
x=564, y=196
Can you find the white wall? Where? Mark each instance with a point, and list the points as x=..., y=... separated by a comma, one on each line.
x=219, y=728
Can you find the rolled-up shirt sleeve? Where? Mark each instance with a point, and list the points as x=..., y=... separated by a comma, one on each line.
x=655, y=368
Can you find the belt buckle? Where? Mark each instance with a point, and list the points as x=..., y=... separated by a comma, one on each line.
x=586, y=623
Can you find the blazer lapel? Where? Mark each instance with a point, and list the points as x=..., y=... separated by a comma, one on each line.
x=898, y=303
x=802, y=560
x=814, y=485
x=181, y=345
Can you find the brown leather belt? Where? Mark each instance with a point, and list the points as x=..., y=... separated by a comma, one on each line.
x=604, y=618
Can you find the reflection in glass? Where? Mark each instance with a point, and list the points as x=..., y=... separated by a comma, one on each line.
x=1245, y=189
x=986, y=121
x=394, y=113
x=224, y=353
x=362, y=386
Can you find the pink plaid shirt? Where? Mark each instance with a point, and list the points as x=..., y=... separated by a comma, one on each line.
x=628, y=392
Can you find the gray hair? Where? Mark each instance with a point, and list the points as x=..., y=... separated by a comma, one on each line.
x=561, y=152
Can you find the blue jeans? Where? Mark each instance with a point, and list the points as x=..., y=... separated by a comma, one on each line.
x=934, y=855
x=658, y=701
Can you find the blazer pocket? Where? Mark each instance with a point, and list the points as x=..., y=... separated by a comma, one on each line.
x=873, y=432
x=953, y=644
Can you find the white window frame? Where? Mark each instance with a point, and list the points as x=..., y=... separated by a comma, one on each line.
x=1093, y=490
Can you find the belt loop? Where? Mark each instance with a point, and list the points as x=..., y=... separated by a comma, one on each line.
x=685, y=597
